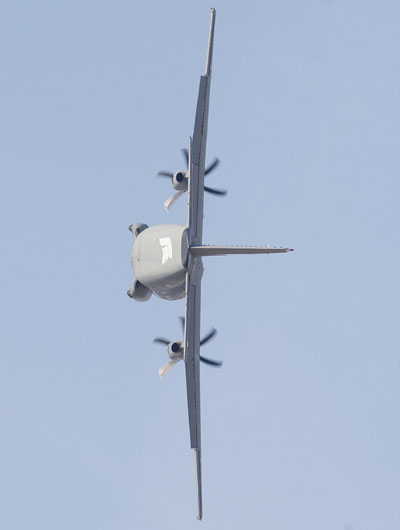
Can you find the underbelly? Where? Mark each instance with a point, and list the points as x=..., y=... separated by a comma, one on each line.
x=174, y=290
x=159, y=260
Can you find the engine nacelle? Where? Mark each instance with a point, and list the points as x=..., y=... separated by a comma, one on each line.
x=139, y=292
x=175, y=350
x=180, y=180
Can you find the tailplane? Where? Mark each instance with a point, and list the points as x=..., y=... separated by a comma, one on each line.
x=215, y=250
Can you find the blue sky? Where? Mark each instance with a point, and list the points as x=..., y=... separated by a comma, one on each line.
x=300, y=426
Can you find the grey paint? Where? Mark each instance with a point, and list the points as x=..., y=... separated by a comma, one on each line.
x=192, y=362
x=197, y=155
x=159, y=259
x=167, y=260
x=215, y=250
x=139, y=292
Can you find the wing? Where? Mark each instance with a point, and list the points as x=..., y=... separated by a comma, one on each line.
x=192, y=364
x=197, y=155
x=197, y=151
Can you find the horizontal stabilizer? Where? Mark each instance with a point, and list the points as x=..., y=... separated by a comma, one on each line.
x=215, y=250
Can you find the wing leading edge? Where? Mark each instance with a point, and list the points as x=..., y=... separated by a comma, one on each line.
x=197, y=149
x=197, y=155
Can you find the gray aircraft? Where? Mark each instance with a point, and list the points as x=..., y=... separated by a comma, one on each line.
x=167, y=260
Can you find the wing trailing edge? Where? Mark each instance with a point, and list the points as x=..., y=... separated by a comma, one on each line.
x=196, y=163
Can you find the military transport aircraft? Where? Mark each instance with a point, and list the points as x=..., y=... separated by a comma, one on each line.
x=167, y=260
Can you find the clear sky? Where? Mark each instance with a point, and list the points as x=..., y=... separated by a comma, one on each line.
x=301, y=425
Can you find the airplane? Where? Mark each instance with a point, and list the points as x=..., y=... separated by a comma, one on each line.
x=167, y=260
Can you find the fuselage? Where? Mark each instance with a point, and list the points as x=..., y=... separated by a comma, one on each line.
x=160, y=259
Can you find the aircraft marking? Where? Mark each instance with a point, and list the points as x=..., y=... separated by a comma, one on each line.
x=166, y=245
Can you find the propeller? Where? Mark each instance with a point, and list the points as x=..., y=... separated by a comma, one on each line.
x=176, y=349
x=211, y=334
x=179, y=183
x=162, y=371
x=170, y=201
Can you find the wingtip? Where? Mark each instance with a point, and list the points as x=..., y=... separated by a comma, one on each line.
x=199, y=486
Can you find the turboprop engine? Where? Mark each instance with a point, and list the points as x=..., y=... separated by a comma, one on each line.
x=180, y=180
x=176, y=350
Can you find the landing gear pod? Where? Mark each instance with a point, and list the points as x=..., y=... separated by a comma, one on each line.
x=139, y=292
x=137, y=229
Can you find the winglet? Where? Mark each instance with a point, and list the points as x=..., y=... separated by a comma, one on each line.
x=210, y=44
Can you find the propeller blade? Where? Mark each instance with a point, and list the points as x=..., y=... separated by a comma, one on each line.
x=215, y=191
x=160, y=340
x=185, y=154
x=162, y=371
x=169, y=202
x=208, y=337
x=165, y=174
x=212, y=166
x=210, y=361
